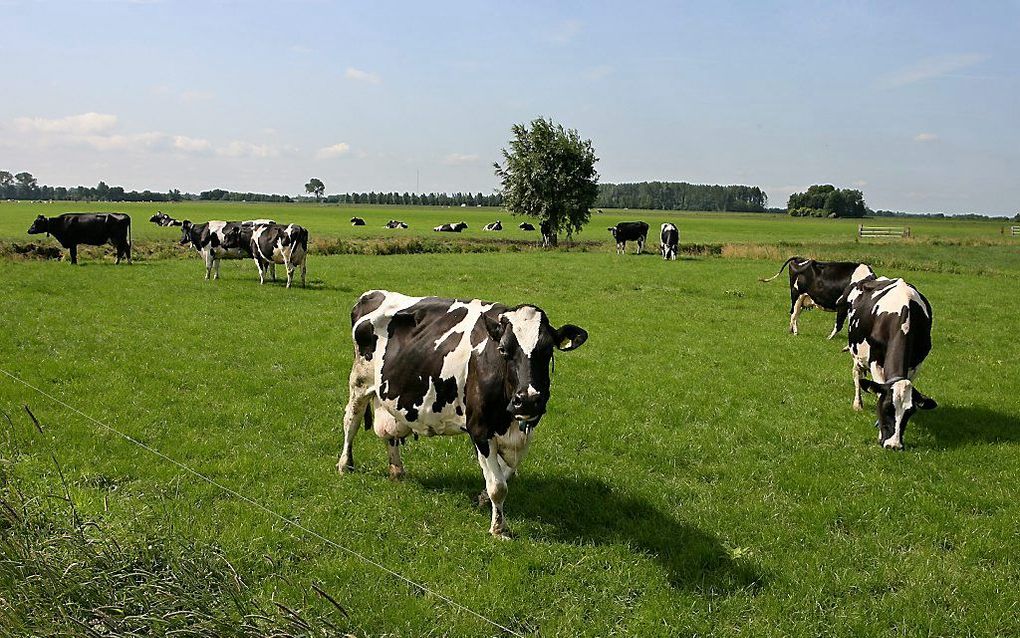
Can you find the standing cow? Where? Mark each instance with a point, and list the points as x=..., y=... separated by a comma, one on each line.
x=669, y=241
x=208, y=239
x=91, y=229
x=820, y=283
x=271, y=244
x=431, y=366
x=629, y=231
x=549, y=237
x=889, y=337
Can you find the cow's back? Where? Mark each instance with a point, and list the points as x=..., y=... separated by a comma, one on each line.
x=890, y=325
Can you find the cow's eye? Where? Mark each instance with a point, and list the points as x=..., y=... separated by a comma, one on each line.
x=503, y=351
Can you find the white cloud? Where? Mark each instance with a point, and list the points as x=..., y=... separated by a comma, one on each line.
x=598, y=72
x=860, y=183
x=191, y=144
x=336, y=150
x=564, y=32
x=460, y=159
x=84, y=124
x=925, y=137
x=362, y=76
x=300, y=48
x=189, y=97
x=931, y=68
x=246, y=149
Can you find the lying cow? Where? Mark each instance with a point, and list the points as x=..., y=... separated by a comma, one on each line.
x=91, y=229
x=889, y=337
x=428, y=366
x=526, y=226
x=162, y=219
x=395, y=223
x=496, y=225
x=357, y=221
x=450, y=228
x=669, y=241
x=629, y=231
x=820, y=283
x=207, y=238
x=271, y=244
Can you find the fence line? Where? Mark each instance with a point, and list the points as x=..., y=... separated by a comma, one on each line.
x=883, y=231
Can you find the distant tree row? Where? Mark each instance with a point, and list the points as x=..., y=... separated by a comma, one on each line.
x=220, y=195
x=682, y=196
x=825, y=200
x=24, y=186
x=414, y=199
x=975, y=217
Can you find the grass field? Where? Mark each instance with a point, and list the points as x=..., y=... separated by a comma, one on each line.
x=700, y=471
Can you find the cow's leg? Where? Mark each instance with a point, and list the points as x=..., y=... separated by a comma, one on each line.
x=262, y=272
x=357, y=402
x=396, y=464
x=798, y=305
x=495, y=485
x=858, y=371
x=73, y=249
x=208, y=263
x=302, y=273
x=640, y=245
x=216, y=265
x=272, y=270
x=289, y=265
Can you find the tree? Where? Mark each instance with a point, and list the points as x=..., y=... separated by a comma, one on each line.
x=315, y=187
x=821, y=200
x=549, y=174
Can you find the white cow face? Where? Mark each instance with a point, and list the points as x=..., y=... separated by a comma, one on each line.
x=897, y=402
x=526, y=340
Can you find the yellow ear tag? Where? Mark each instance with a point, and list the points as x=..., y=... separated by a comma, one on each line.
x=565, y=343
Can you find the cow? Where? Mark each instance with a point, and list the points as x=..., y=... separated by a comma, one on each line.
x=357, y=221
x=162, y=219
x=629, y=231
x=526, y=226
x=549, y=239
x=91, y=229
x=207, y=238
x=496, y=225
x=820, y=283
x=271, y=244
x=427, y=366
x=889, y=337
x=669, y=241
x=395, y=223
x=450, y=228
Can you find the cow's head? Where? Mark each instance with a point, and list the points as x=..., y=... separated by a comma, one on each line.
x=897, y=401
x=460, y=226
x=40, y=225
x=231, y=237
x=157, y=218
x=526, y=339
x=612, y=229
x=186, y=228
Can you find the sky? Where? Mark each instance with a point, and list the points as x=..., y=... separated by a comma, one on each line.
x=917, y=104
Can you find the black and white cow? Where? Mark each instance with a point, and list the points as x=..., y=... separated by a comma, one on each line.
x=208, y=237
x=496, y=225
x=549, y=237
x=889, y=337
x=91, y=229
x=271, y=244
x=450, y=228
x=395, y=223
x=820, y=283
x=669, y=241
x=428, y=366
x=357, y=221
x=526, y=226
x=162, y=219
x=629, y=231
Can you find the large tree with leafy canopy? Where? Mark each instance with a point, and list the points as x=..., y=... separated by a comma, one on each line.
x=315, y=187
x=549, y=174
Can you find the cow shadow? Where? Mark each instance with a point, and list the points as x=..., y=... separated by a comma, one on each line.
x=587, y=511
x=954, y=426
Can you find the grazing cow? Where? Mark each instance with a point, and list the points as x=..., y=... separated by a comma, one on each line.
x=496, y=225
x=820, y=283
x=526, y=226
x=428, y=366
x=91, y=229
x=208, y=238
x=669, y=241
x=629, y=231
x=549, y=238
x=395, y=223
x=271, y=244
x=450, y=228
x=162, y=219
x=357, y=221
x=889, y=336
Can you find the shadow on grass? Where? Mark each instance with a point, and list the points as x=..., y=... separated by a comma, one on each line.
x=953, y=426
x=585, y=511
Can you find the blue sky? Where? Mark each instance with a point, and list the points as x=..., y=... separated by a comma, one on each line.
x=916, y=104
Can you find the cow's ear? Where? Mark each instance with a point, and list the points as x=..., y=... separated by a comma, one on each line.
x=494, y=326
x=570, y=337
x=871, y=386
x=922, y=402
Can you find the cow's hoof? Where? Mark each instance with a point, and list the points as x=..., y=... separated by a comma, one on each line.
x=892, y=446
x=502, y=534
x=857, y=406
x=396, y=472
x=344, y=466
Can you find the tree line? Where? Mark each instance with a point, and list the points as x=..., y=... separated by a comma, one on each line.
x=682, y=196
x=825, y=200
x=415, y=199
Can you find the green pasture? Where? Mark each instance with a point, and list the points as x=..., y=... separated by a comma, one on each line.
x=700, y=471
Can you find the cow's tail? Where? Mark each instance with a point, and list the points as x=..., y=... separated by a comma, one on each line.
x=785, y=264
x=368, y=416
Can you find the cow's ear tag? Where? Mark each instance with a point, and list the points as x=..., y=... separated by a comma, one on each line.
x=570, y=337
